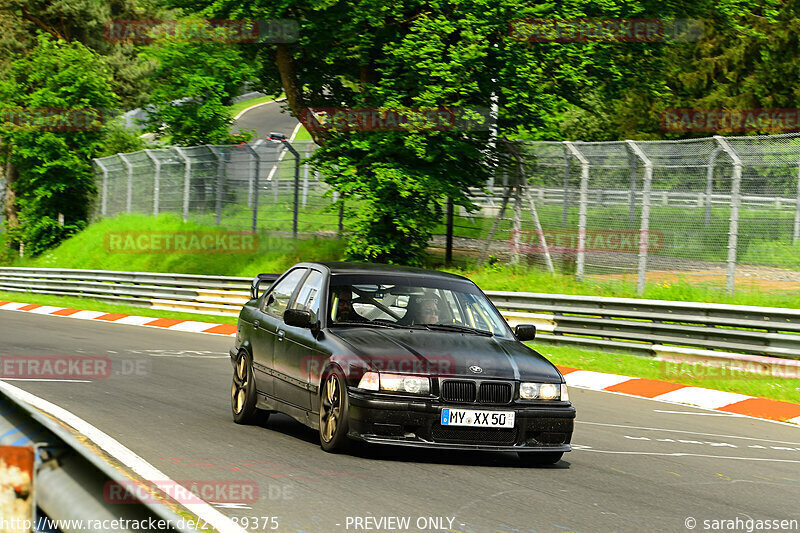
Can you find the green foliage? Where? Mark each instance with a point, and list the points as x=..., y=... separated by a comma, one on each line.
x=194, y=83
x=119, y=139
x=54, y=163
x=88, y=250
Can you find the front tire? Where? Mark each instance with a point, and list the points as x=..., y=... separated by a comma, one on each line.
x=539, y=458
x=243, y=393
x=333, y=414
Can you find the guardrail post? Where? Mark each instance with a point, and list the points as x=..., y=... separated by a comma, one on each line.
x=796, y=233
x=733, y=232
x=187, y=179
x=220, y=180
x=257, y=159
x=129, y=197
x=710, y=182
x=581, y=259
x=104, y=194
x=645, y=225
x=156, y=180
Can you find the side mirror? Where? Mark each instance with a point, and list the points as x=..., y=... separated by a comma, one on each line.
x=299, y=318
x=525, y=332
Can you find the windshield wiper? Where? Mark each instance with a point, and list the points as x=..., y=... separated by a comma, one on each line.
x=462, y=329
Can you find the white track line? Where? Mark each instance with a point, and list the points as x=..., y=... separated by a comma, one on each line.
x=122, y=454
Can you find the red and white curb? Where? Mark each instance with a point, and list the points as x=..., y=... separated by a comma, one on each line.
x=666, y=391
x=228, y=330
x=644, y=388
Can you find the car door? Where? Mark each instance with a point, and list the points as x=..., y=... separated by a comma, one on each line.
x=265, y=327
x=296, y=351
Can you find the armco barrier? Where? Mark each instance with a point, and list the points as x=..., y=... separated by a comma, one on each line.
x=640, y=326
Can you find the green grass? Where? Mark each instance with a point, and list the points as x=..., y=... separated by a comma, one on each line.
x=531, y=279
x=88, y=250
x=90, y=304
x=238, y=107
x=783, y=389
x=302, y=134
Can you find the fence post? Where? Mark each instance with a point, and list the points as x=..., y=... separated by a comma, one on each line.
x=187, y=179
x=156, y=180
x=305, y=178
x=220, y=181
x=796, y=233
x=104, y=194
x=645, y=225
x=733, y=232
x=581, y=259
x=254, y=181
x=632, y=208
x=710, y=182
x=516, y=224
x=129, y=196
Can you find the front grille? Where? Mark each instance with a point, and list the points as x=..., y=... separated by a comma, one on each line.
x=499, y=436
x=494, y=393
x=458, y=391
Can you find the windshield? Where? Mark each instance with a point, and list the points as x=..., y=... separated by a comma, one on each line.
x=412, y=302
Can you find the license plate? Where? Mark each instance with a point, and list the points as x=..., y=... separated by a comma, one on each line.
x=484, y=419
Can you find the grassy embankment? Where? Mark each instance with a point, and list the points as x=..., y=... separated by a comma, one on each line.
x=88, y=250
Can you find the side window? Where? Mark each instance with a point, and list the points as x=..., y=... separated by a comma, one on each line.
x=310, y=293
x=276, y=301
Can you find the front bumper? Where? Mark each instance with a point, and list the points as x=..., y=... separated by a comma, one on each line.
x=417, y=423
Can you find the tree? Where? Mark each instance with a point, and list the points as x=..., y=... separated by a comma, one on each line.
x=71, y=21
x=53, y=99
x=194, y=82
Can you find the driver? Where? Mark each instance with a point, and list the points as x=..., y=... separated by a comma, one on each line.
x=344, y=308
x=425, y=311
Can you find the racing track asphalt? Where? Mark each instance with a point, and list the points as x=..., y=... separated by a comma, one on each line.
x=639, y=465
x=265, y=119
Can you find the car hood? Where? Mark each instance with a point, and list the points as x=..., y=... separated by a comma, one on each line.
x=444, y=354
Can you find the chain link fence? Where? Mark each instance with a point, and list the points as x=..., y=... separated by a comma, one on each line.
x=723, y=211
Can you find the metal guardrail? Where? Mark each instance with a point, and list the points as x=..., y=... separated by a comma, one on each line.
x=629, y=324
x=70, y=480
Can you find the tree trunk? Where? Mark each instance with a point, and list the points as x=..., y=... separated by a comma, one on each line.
x=294, y=94
x=10, y=207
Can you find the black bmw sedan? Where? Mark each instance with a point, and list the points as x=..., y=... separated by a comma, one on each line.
x=396, y=355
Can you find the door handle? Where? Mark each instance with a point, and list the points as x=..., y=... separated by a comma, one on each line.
x=256, y=323
x=281, y=334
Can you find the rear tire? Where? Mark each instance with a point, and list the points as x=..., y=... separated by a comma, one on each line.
x=539, y=458
x=243, y=393
x=333, y=414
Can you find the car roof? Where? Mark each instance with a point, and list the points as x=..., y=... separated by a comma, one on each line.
x=345, y=267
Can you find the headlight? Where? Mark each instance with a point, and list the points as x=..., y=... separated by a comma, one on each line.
x=543, y=391
x=395, y=383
